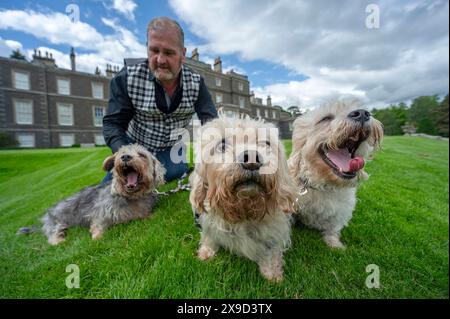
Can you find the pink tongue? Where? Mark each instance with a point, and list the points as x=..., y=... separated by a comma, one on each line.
x=132, y=179
x=342, y=159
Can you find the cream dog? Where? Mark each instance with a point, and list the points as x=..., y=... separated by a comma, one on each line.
x=330, y=147
x=243, y=193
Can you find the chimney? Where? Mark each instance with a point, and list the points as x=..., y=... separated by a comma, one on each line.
x=252, y=97
x=269, y=101
x=111, y=70
x=46, y=60
x=72, y=59
x=97, y=71
x=195, y=55
x=218, y=65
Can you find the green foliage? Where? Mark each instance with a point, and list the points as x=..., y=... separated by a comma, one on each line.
x=16, y=54
x=422, y=114
x=7, y=140
x=392, y=118
x=426, y=113
x=400, y=224
x=442, y=117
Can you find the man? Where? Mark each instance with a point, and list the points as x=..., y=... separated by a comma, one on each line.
x=152, y=100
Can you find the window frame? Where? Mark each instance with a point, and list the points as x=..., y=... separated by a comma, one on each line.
x=58, y=79
x=16, y=118
x=26, y=73
x=58, y=104
x=33, y=135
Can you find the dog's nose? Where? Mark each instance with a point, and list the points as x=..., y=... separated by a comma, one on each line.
x=126, y=158
x=250, y=160
x=359, y=115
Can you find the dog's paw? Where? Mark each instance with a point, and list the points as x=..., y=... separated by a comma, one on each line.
x=272, y=268
x=96, y=233
x=205, y=253
x=55, y=240
x=272, y=274
x=334, y=242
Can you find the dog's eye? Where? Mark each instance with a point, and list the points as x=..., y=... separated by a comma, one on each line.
x=142, y=155
x=222, y=146
x=326, y=119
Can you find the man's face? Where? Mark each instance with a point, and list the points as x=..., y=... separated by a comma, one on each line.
x=165, y=55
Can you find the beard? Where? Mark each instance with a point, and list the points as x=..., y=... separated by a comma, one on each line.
x=165, y=73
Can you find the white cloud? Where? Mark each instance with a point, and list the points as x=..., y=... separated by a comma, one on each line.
x=7, y=46
x=125, y=7
x=308, y=93
x=329, y=42
x=56, y=28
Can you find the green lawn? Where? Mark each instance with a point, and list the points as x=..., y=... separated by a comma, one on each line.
x=400, y=224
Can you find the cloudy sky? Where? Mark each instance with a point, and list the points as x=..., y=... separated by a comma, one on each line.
x=299, y=52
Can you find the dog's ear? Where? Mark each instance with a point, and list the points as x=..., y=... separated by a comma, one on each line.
x=198, y=191
x=294, y=164
x=287, y=191
x=378, y=134
x=158, y=172
x=108, y=163
x=298, y=142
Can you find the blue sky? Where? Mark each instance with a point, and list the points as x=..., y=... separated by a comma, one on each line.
x=299, y=52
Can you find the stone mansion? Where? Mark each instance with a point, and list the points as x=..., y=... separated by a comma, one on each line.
x=43, y=105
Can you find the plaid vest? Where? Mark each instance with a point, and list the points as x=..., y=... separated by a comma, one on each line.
x=149, y=126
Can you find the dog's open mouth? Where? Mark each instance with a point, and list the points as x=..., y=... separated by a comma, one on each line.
x=131, y=175
x=343, y=160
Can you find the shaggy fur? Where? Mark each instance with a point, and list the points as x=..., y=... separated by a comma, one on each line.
x=243, y=192
x=129, y=196
x=330, y=145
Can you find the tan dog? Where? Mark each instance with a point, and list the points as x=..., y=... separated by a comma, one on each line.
x=129, y=196
x=330, y=146
x=243, y=193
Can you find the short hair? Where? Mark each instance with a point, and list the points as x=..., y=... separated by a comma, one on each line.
x=162, y=23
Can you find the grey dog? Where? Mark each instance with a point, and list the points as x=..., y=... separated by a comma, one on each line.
x=129, y=196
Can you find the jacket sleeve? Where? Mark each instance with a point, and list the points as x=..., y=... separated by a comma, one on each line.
x=119, y=114
x=204, y=106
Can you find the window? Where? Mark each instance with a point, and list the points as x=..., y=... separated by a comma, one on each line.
x=63, y=86
x=218, y=82
x=219, y=98
x=274, y=114
x=24, y=111
x=21, y=80
x=65, y=114
x=66, y=139
x=258, y=112
x=99, y=112
x=266, y=113
x=97, y=90
x=241, y=102
x=99, y=139
x=26, y=139
x=241, y=86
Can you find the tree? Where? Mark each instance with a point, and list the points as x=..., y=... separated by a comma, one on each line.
x=16, y=54
x=8, y=140
x=442, y=117
x=423, y=114
x=391, y=124
x=393, y=118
